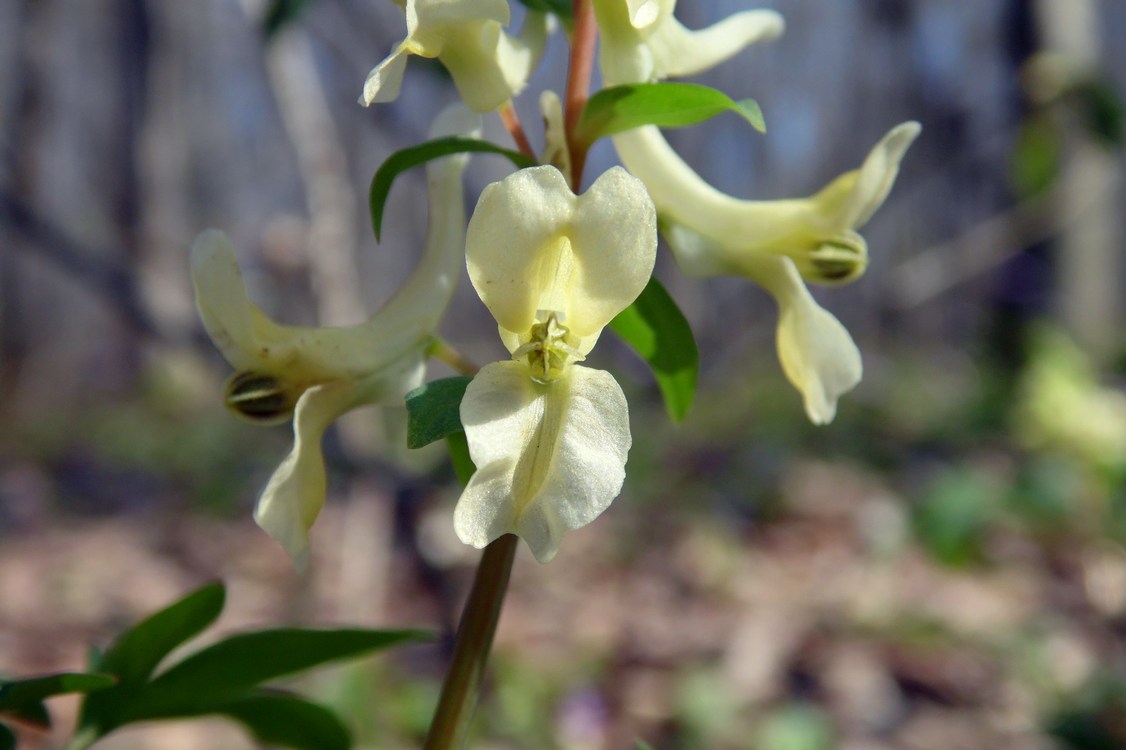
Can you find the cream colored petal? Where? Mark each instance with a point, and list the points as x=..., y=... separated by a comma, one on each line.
x=221, y=298
x=488, y=66
x=555, y=149
x=550, y=458
x=386, y=79
x=642, y=13
x=419, y=304
x=852, y=198
x=533, y=245
x=623, y=55
x=794, y=227
x=678, y=51
x=295, y=494
x=435, y=17
x=816, y=352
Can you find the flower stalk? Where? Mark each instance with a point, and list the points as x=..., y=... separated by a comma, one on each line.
x=452, y=719
x=578, y=83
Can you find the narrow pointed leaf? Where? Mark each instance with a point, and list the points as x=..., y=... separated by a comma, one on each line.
x=669, y=105
x=657, y=330
x=17, y=694
x=138, y=651
x=7, y=739
x=277, y=718
x=232, y=667
x=434, y=410
x=407, y=158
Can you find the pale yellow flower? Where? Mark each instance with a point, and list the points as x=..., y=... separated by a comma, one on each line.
x=550, y=437
x=317, y=374
x=488, y=65
x=776, y=243
x=641, y=40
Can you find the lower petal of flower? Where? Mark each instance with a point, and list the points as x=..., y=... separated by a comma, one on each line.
x=550, y=457
x=817, y=354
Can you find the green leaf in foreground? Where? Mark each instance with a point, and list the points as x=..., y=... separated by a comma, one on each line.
x=277, y=718
x=407, y=158
x=17, y=695
x=669, y=105
x=211, y=678
x=657, y=330
x=138, y=651
x=7, y=739
x=434, y=410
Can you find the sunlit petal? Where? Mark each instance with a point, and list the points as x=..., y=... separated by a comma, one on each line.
x=550, y=457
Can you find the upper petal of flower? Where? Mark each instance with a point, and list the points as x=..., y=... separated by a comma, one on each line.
x=550, y=457
x=818, y=233
x=533, y=245
x=642, y=41
x=817, y=354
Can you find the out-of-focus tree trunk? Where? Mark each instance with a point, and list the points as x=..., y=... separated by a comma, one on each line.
x=1090, y=245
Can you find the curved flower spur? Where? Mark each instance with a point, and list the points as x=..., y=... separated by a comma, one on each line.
x=317, y=374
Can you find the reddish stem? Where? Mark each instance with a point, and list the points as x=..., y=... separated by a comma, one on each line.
x=578, y=84
x=512, y=124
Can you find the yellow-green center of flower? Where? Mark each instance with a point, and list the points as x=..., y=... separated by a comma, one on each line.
x=549, y=349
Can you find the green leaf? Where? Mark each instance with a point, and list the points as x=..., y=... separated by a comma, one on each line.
x=211, y=678
x=33, y=715
x=641, y=745
x=669, y=105
x=561, y=8
x=280, y=13
x=401, y=161
x=18, y=693
x=277, y=718
x=657, y=330
x=7, y=739
x=138, y=651
x=434, y=410
x=459, y=456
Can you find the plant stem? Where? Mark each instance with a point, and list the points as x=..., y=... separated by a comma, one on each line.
x=578, y=83
x=446, y=354
x=452, y=719
x=511, y=122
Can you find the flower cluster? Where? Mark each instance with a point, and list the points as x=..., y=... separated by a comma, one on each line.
x=554, y=265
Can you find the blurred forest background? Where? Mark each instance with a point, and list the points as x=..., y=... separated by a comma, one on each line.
x=942, y=567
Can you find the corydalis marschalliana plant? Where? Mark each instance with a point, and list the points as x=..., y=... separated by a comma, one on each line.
x=316, y=374
x=554, y=265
